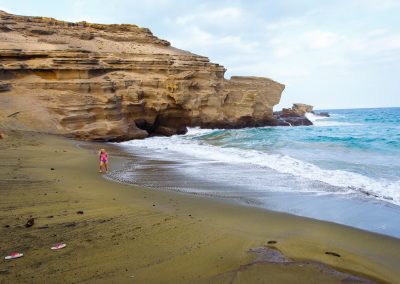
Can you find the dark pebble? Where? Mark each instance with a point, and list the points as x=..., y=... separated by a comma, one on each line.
x=332, y=253
x=51, y=216
x=30, y=222
x=272, y=242
x=79, y=212
x=7, y=226
x=52, y=169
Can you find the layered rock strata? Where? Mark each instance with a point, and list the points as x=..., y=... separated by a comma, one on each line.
x=117, y=82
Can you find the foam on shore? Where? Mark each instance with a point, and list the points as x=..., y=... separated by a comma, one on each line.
x=345, y=182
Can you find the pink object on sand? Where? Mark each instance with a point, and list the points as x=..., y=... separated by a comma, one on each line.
x=58, y=246
x=14, y=255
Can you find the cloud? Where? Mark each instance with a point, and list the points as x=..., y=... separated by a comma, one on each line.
x=211, y=16
x=377, y=4
x=377, y=32
x=284, y=52
x=291, y=49
x=214, y=17
x=289, y=54
x=318, y=39
x=3, y=8
x=198, y=40
x=284, y=24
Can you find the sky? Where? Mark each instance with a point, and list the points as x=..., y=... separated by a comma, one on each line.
x=330, y=54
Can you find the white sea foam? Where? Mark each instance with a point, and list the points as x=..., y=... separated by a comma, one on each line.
x=194, y=131
x=313, y=117
x=349, y=182
x=325, y=121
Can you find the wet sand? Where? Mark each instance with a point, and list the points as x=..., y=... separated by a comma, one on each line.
x=130, y=234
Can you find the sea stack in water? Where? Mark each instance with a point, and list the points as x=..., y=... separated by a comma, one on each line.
x=295, y=116
x=117, y=82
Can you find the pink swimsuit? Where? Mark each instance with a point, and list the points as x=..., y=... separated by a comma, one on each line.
x=103, y=157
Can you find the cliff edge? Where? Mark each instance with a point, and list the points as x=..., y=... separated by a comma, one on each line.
x=117, y=82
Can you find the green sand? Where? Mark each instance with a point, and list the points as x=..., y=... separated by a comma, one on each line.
x=130, y=234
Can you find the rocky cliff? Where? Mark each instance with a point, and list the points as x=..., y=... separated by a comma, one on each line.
x=117, y=82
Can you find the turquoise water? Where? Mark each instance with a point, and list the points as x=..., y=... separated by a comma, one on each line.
x=344, y=169
x=362, y=141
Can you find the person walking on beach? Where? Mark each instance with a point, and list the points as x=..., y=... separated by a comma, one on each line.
x=103, y=160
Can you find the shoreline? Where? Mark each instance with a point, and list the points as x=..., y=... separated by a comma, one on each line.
x=128, y=158
x=197, y=164
x=155, y=236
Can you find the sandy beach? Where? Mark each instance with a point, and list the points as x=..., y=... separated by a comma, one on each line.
x=117, y=233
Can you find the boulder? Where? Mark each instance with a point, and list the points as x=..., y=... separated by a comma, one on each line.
x=294, y=116
x=302, y=109
x=324, y=113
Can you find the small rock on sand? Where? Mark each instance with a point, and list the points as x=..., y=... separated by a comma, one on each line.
x=30, y=222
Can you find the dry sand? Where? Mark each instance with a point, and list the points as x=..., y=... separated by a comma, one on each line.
x=129, y=234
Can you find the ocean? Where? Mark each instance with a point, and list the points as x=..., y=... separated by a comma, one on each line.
x=343, y=169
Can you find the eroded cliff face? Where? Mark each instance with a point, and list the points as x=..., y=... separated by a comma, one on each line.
x=117, y=82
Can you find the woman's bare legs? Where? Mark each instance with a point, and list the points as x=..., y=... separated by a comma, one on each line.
x=106, y=165
x=101, y=167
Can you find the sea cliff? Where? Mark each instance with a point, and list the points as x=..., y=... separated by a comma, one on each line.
x=117, y=82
